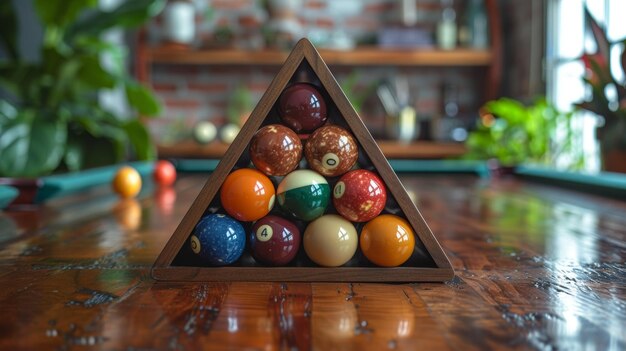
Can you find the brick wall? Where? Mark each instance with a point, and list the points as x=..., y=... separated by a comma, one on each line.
x=193, y=93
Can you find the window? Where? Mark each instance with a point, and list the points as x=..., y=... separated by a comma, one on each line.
x=568, y=38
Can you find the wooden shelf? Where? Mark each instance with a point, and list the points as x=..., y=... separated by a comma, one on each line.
x=365, y=56
x=391, y=149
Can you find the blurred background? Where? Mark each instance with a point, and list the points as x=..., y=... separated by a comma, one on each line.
x=537, y=81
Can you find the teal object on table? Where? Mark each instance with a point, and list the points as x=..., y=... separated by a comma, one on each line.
x=67, y=183
x=7, y=194
x=606, y=183
x=414, y=166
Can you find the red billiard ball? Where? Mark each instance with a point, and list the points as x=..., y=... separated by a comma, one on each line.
x=302, y=107
x=164, y=173
x=359, y=195
x=274, y=241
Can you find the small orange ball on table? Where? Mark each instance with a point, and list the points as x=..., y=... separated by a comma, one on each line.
x=127, y=182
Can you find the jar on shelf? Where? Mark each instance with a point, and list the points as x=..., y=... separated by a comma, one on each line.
x=179, y=22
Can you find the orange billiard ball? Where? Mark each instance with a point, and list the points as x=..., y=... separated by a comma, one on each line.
x=127, y=182
x=387, y=240
x=247, y=194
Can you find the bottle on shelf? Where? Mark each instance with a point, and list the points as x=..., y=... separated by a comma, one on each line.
x=474, y=30
x=449, y=126
x=447, y=28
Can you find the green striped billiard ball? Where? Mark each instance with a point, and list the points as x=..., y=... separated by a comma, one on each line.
x=304, y=194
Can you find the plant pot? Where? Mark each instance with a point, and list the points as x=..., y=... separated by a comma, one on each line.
x=614, y=160
x=27, y=188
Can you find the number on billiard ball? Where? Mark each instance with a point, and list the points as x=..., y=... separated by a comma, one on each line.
x=359, y=195
x=274, y=241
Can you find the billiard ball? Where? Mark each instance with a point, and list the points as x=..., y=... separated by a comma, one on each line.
x=247, y=194
x=330, y=240
x=204, y=132
x=229, y=132
x=304, y=194
x=331, y=151
x=274, y=241
x=302, y=107
x=218, y=239
x=275, y=150
x=359, y=195
x=164, y=173
x=127, y=182
x=387, y=240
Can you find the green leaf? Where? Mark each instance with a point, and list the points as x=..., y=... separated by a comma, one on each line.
x=92, y=73
x=74, y=153
x=128, y=15
x=142, y=99
x=8, y=29
x=7, y=112
x=60, y=13
x=31, y=146
x=140, y=140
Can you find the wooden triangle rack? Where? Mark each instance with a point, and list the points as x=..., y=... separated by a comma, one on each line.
x=304, y=64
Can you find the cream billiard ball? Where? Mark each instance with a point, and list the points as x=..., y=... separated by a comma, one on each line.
x=330, y=240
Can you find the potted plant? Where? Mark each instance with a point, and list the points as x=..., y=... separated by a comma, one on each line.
x=607, y=98
x=50, y=117
x=509, y=134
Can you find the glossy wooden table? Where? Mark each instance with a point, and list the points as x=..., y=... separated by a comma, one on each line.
x=538, y=267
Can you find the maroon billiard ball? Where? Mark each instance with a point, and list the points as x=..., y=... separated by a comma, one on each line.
x=331, y=151
x=302, y=107
x=274, y=241
x=275, y=150
x=359, y=195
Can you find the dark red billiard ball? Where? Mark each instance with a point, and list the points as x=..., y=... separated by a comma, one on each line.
x=164, y=173
x=359, y=195
x=302, y=107
x=274, y=241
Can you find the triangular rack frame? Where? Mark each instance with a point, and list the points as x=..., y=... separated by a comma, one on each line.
x=440, y=268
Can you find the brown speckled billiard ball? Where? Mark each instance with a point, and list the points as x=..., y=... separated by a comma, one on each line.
x=331, y=151
x=359, y=195
x=302, y=107
x=275, y=150
x=274, y=241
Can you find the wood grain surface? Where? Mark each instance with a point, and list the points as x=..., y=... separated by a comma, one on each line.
x=537, y=268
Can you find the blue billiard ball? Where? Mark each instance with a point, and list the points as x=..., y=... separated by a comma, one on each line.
x=218, y=239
